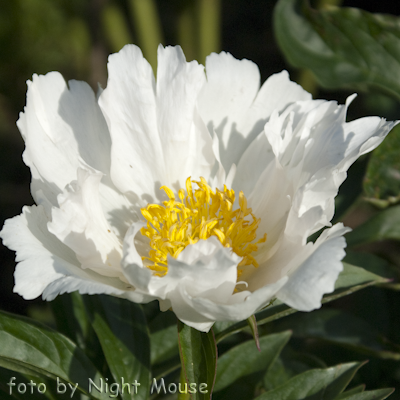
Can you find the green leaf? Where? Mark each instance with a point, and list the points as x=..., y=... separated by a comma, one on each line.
x=382, y=179
x=317, y=384
x=289, y=364
x=121, y=328
x=350, y=280
x=379, y=394
x=34, y=349
x=371, y=263
x=164, y=354
x=343, y=47
x=77, y=325
x=351, y=392
x=245, y=359
x=198, y=352
x=352, y=276
x=384, y=225
x=341, y=328
x=163, y=337
x=30, y=390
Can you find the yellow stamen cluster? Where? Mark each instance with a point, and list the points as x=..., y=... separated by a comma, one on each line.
x=198, y=215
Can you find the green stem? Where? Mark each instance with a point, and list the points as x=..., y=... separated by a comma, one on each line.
x=198, y=354
x=183, y=383
x=148, y=28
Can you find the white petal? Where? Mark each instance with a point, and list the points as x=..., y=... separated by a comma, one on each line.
x=62, y=127
x=238, y=110
x=199, y=285
x=129, y=105
x=271, y=200
x=232, y=86
x=203, y=267
x=253, y=163
x=219, y=179
x=363, y=135
x=187, y=144
x=45, y=265
x=133, y=268
x=195, y=311
x=317, y=275
x=276, y=93
x=178, y=84
x=315, y=146
x=79, y=222
x=86, y=283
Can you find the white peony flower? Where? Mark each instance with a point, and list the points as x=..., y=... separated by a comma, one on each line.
x=246, y=175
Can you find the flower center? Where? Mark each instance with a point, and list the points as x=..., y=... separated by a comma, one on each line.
x=198, y=215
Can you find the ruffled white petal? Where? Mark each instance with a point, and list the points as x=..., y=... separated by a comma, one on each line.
x=45, y=265
x=64, y=128
x=240, y=306
x=79, y=222
x=199, y=285
x=204, y=267
x=239, y=109
x=318, y=273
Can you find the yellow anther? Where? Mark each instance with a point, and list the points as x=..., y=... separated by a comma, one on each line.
x=169, y=192
x=219, y=235
x=199, y=214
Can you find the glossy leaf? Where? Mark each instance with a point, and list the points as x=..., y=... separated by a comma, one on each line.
x=198, y=352
x=379, y=394
x=164, y=349
x=340, y=328
x=163, y=337
x=343, y=47
x=289, y=364
x=370, y=262
x=11, y=392
x=321, y=384
x=77, y=325
x=384, y=225
x=351, y=392
x=121, y=328
x=382, y=179
x=32, y=348
x=352, y=276
x=245, y=359
x=350, y=280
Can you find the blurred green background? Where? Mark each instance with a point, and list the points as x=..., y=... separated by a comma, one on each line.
x=75, y=37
